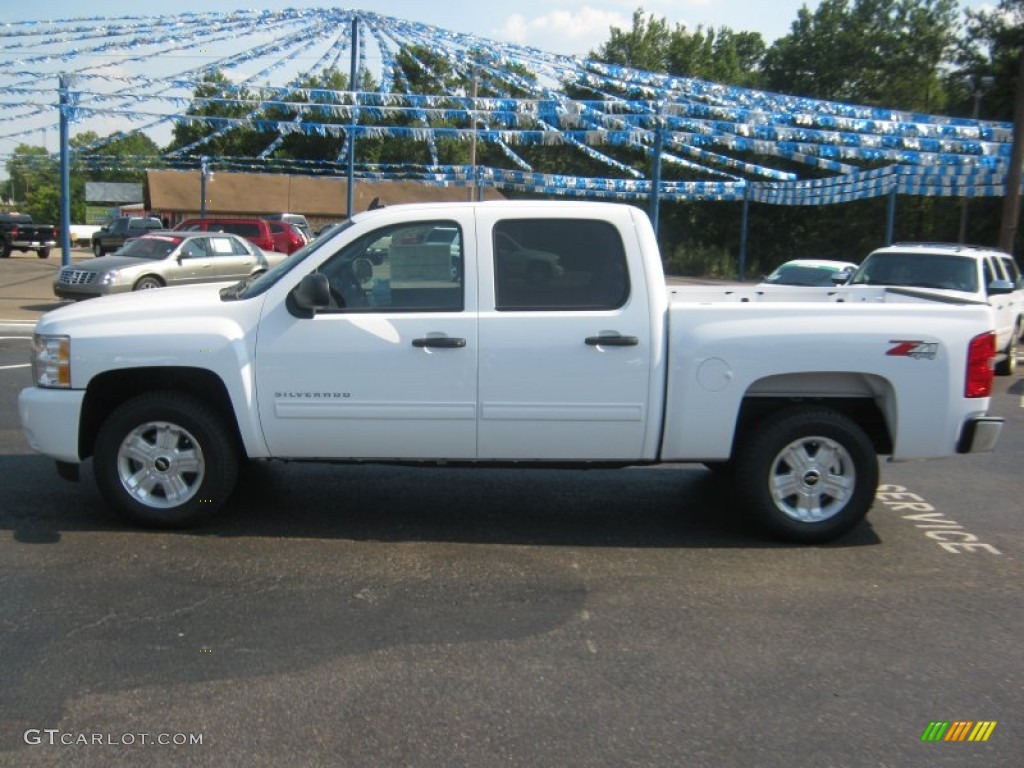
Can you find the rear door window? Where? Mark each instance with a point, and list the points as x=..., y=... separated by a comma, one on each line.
x=559, y=264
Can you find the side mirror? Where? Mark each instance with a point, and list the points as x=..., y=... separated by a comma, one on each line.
x=840, y=278
x=1000, y=287
x=311, y=294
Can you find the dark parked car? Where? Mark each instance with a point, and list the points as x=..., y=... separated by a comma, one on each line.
x=116, y=232
x=163, y=259
x=19, y=233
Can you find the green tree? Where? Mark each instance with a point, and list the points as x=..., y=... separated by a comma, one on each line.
x=721, y=55
x=991, y=47
x=217, y=99
x=644, y=46
x=29, y=169
x=876, y=52
x=121, y=157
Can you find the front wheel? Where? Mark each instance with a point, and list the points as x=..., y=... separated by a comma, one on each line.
x=97, y=249
x=1008, y=365
x=165, y=460
x=807, y=474
x=148, y=283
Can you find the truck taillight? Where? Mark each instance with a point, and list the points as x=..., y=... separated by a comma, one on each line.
x=14, y=232
x=980, y=354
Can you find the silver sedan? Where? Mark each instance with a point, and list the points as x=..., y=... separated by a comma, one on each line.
x=165, y=259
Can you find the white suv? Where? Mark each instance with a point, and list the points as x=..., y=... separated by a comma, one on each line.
x=951, y=272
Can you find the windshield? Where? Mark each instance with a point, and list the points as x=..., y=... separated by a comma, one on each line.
x=918, y=270
x=251, y=287
x=153, y=247
x=802, y=275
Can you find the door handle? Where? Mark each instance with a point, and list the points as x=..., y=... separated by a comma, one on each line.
x=439, y=342
x=616, y=340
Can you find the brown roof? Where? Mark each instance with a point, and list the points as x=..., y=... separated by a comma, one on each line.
x=260, y=193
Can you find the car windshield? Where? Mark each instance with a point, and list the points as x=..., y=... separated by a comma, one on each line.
x=254, y=286
x=918, y=270
x=801, y=275
x=153, y=247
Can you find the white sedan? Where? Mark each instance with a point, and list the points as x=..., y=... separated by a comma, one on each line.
x=811, y=272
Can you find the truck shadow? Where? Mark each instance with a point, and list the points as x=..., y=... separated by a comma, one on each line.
x=681, y=506
x=293, y=574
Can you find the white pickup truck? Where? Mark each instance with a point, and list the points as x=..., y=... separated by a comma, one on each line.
x=958, y=274
x=380, y=342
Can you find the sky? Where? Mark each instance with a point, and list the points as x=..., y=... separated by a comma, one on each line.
x=557, y=26
x=571, y=27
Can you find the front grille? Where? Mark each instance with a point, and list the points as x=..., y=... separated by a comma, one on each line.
x=76, y=277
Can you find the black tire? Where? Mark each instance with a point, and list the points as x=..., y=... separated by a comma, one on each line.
x=147, y=283
x=831, y=492
x=721, y=468
x=97, y=249
x=165, y=460
x=43, y=253
x=5, y=250
x=1008, y=365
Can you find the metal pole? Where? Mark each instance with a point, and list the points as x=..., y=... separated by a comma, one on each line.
x=659, y=143
x=472, y=144
x=1011, y=203
x=352, y=128
x=890, y=223
x=981, y=85
x=65, y=171
x=203, y=170
x=744, y=226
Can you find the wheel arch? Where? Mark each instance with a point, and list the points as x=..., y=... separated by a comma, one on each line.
x=868, y=400
x=109, y=389
x=158, y=278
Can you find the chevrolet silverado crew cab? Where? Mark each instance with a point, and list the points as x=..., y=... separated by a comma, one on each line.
x=342, y=354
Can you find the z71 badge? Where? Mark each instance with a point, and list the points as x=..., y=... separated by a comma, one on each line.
x=921, y=350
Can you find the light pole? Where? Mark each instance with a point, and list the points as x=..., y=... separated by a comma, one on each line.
x=981, y=85
x=205, y=174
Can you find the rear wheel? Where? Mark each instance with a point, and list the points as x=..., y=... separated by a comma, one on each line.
x=165, y=460
x=807, y=474
x=43, y=253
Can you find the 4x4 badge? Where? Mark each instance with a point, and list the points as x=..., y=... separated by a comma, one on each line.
x=917, y=349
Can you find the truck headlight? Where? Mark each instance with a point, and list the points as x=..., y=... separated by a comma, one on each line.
x=51, y=361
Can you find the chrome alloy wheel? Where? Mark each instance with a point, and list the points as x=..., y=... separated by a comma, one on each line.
x=812, y=479
x=160, y=464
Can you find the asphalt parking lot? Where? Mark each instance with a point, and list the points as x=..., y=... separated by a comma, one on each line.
x=381, y=616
